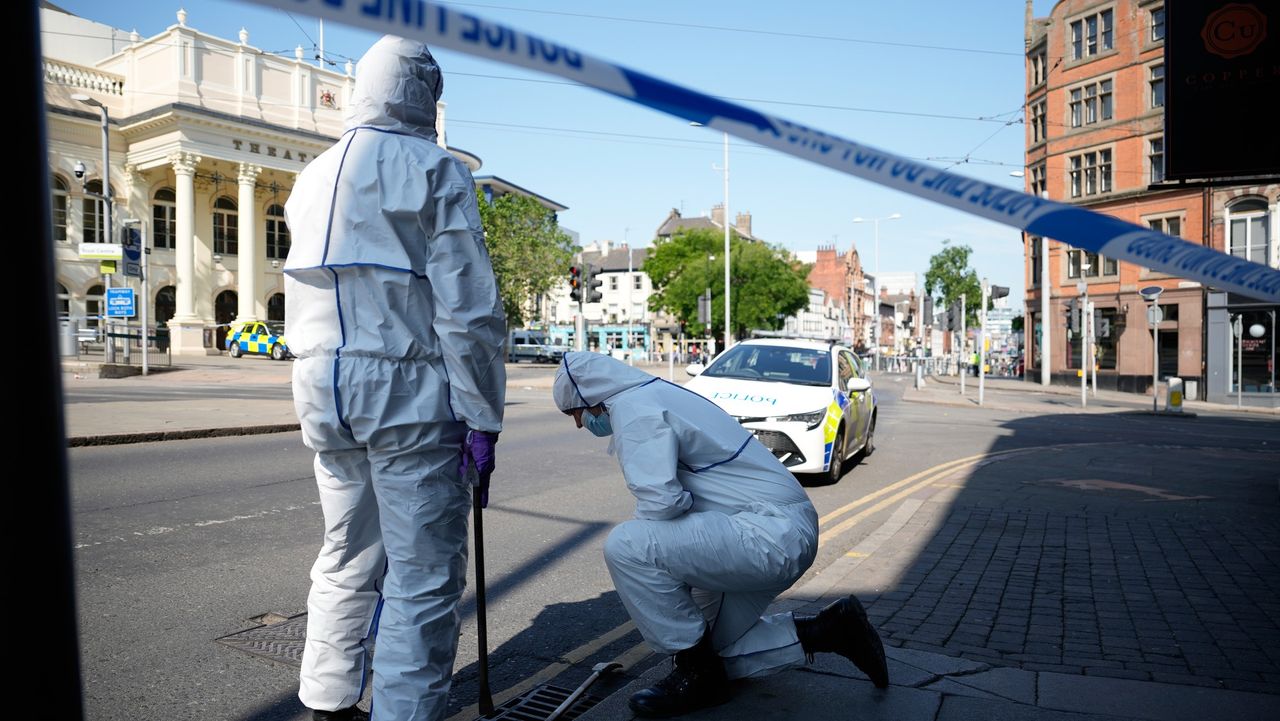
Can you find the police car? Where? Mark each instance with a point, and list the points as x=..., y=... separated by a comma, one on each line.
x=255, y=336
x=809, y=402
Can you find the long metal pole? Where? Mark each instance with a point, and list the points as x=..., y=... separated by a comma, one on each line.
x=110, y=343
x=1240, y=361
x=1084, y=347
x=1045, y=325
x=964, y=332
x=482, y=628
x=1093, y=349
x=142, y=283
x=982, y=344
x=875, y=223
x=630, y=352
x=1155, y=356
x=728, y=324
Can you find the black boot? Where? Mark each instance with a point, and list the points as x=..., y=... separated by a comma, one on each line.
x=843, y=628
x=697, y=681
x=342, y=714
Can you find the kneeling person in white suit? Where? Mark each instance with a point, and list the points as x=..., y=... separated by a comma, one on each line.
x=721, y=529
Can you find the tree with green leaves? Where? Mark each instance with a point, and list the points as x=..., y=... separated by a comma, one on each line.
x=768, y=284
x=529, y=252
x=950, y=276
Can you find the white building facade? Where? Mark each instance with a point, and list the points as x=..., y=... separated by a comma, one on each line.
x=206, y=138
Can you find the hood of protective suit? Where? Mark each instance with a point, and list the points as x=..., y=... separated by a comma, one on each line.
x=586, y=379
x=397, y=86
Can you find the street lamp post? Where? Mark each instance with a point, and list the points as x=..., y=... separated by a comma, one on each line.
x=728, y=325
x=875, y=301
x=109, y=346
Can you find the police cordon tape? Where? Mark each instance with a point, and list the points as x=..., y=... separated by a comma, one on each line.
x=440, y=26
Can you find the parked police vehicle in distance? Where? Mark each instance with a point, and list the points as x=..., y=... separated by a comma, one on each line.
x=808, y=401
x=534, y=346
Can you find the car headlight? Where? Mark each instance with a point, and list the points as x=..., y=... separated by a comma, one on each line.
x=810, y=419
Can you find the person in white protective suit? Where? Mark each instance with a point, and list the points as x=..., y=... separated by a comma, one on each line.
x=393, y=312
x=721, y=529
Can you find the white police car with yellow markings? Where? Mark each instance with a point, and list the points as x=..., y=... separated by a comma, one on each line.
x=809, y=402
x=258, y=337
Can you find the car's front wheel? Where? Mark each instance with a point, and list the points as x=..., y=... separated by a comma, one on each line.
x=277, y=352
x=836, y=468
x=234, y=350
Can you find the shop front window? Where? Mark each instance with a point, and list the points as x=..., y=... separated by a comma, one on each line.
x=1253, y=355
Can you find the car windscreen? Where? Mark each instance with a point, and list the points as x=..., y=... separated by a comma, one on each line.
x=803, y=366
x=276, y=328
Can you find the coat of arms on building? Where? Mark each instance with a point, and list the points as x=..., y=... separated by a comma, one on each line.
x=327, y=99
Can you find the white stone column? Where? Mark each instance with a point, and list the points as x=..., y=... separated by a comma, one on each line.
x=184, y=170
x=186, y=329
x=249, y=250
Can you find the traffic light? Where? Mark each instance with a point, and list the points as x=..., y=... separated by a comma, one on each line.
x=928, y=312
x=575, y=283
x=591, y=285
x=1073, y=316
x=953, y=316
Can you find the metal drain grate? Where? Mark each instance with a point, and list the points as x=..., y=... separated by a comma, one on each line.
x=281, y=642
x=537, y=703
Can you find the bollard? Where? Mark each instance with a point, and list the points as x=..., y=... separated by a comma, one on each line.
x=1173, y=397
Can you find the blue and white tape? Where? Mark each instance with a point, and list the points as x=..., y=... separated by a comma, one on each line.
x=440, y=26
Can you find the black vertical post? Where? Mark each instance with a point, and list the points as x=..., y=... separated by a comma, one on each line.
x=51, y=650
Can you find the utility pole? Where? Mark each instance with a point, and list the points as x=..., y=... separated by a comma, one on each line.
x=964, y=332
x=1045, y=287
x=1083, y=287
x=982, y=342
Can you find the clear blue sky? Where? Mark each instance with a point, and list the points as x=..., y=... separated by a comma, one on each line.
x=885, y=71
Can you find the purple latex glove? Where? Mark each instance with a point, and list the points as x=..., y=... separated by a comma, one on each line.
x=478, y=454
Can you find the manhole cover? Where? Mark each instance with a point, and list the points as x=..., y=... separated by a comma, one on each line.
x=537, y=703
x=281, y=641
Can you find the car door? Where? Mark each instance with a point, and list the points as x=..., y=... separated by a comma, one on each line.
x=859, y=401
x=262, y=334
x=852, y=420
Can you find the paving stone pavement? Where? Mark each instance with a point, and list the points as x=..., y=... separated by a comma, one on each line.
x=1030, y=578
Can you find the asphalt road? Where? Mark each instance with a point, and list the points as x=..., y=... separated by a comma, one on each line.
x=178, y=544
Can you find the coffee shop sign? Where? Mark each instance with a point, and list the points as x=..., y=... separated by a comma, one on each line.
x=269, y=150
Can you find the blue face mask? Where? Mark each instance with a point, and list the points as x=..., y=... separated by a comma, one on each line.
x=598, y=425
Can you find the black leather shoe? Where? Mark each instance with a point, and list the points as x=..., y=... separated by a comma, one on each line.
x=843, y=628
x=342, y=714
x=697, y=681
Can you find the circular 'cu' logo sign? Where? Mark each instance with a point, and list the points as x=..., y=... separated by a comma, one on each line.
x=1234, y=30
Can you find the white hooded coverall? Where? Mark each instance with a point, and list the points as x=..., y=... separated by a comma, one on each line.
x=721, y=526
x=393, y=313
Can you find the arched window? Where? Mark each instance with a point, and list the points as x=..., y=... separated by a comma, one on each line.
x=277, y=233
x=95, y=215
x=93, y=307
x=225, y=226
x=59, y=205
x=275, y=307
x=166, y=304
x=164, y=210
x=1249, y=232
x=64, y=301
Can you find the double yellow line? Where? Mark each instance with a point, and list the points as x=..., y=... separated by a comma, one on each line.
x=904, y=488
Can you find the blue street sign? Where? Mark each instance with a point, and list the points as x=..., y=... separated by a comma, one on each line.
x=120, y=303
x=132, y=244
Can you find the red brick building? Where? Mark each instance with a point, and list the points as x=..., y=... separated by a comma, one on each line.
x=840, y=275
x=1095, y=89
